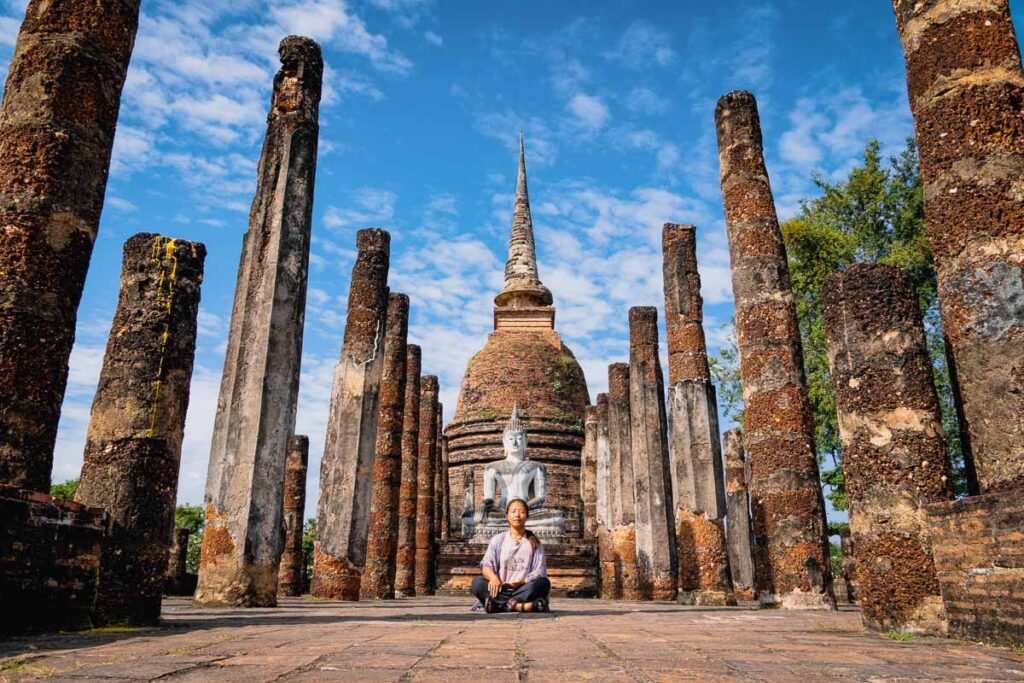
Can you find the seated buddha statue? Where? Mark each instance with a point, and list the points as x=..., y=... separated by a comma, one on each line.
x=515, y=477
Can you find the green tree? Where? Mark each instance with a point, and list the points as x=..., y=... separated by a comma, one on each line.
x=308, y=534
x=65, y=490
x=725, y=371
x=875, y=214
x=191, y=517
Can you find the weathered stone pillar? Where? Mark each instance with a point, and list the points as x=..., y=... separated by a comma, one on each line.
x=346, y=470
x=133, y=445
x=425, y=547
x=446, y=505
x=966, y=85
x=849, y=565
x=623, y=506
x=291, y=578
x=894, y=453
x=655, y=528
x=588, y=472
x=378, y=581
x=438, y=474
x=595, y=441
x=177, y=559
x=57, y=122
x=242, y=541
x=405, y=563
x=698, y=488
x=790, y=533
x=737, y=501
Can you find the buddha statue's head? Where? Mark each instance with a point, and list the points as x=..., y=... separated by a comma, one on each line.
x=514, y=439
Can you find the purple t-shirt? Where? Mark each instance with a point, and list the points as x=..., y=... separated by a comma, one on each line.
x=504, y=557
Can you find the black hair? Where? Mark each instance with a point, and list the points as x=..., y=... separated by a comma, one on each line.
x=530, y=536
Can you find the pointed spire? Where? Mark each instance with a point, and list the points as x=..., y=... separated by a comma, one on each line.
x=522, y=284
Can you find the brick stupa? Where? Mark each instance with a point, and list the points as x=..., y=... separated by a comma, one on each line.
x=524, y=362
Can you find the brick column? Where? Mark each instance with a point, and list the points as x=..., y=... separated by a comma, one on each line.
x=588, y=473
x=623, y=506
x=425, y=547
x=655, y=529
x=438, y=474
x=790, y=532
x=242, y=541
x=133, y=445
x=57, y=121
x=966, y=85
x=737, y=497
x=291, y=578
x=378, y=582
x=894, y=453
x=346, y=471
x=405, y=572
x=446, y=504
x=698, y=488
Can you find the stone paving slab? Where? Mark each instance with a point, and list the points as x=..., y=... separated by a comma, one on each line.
x=439, y=639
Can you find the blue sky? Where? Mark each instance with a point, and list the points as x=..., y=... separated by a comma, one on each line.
x=423, y=102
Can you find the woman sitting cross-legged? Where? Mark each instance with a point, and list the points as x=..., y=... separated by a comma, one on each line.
x=514, y=569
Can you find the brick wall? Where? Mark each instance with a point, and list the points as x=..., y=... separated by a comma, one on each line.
x=978, y=545
x=49, y=561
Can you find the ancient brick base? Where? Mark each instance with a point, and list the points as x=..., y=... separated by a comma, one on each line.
x=978, y=545
x=49, y=562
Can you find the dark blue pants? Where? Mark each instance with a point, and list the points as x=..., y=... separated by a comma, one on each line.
x=532, y=590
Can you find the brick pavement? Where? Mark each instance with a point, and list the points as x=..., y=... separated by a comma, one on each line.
x=438, y=639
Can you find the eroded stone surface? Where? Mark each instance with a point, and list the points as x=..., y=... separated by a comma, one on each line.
x=790, y=532
x=654, y=529
x=425, y=546
x=740, y=539
x=242, y=541
x=966, y=84
x=57, y=121
x=346, y=471
x=894, y=452
x=405, y=563
x=382, y=538
x=133, y=444
x=291, y=578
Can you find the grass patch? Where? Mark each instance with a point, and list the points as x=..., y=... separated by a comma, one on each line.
x=520, y=652
x=1019, y=648
x=898, y=635
x=421, y=622
x=114, y=628
x=25, y=664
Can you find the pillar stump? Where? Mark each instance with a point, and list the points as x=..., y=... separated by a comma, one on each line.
x=894, y=452
x=133, y=444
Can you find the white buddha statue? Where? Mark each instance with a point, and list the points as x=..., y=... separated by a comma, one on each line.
x=515, y=477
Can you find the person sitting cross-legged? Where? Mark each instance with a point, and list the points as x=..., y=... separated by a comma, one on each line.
x=514, y=568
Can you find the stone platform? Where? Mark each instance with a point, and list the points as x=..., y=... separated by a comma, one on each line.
x=572, y=567
x=438, y=639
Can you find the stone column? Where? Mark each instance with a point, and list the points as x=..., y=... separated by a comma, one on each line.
x=57, y=120
x=242, y=541
x=446, y=505
x=291, y=578
x=425, y=547
x=177, y=560
x=588, y=472
x=849, y=565
x=790, y=533
x=378, y=581
x=405, y=570
x=966, y=85
x=346, y=470
x=894, y=453
x=655, y=528
x=133, y=445
x=438, y=474
x=698, y=488
x=737, y=501
x=623, y=507
x=596, y=429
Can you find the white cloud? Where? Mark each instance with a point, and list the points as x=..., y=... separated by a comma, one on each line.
x=368, y=206
x=120, y=204
x=433, y=38
x=591, y=113
x=646, y=101
x=642, y=45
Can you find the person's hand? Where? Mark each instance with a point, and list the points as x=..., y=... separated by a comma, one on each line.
x=494, y=587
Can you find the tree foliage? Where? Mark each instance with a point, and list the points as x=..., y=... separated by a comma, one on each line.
x=874, y=214
x=65, y=490
x=191, y=517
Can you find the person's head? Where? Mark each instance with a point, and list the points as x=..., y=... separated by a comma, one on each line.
x=517, y=512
